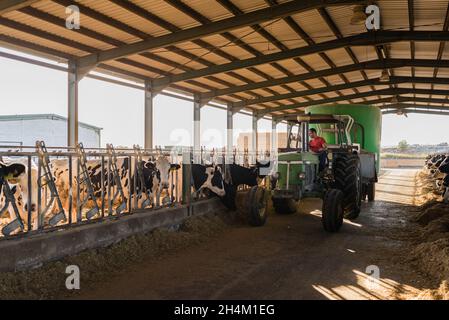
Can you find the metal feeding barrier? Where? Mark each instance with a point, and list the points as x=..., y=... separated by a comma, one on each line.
x=47, y=179
x=65, y=187
x=83, y=179
x=90, y=184
x=10, y=200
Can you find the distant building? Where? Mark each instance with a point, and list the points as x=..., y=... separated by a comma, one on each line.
x=264, y=140
x=26, y=129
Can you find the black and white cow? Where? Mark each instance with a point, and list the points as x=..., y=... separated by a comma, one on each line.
x=156, y=177
x=249, y=176
x=211, y=178
x=208, y=177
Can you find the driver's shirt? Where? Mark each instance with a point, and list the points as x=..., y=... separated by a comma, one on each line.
x=316, y=144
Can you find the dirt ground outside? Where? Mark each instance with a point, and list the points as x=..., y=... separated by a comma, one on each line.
x=291, y=257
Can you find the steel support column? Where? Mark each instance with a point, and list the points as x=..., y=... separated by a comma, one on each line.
x=274, y=138
x=72, y=112
x=148, y=116
x=254, y=138
x=229, y=133
x=197, y=129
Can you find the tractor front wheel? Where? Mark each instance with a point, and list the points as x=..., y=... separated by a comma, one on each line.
x=332, y=213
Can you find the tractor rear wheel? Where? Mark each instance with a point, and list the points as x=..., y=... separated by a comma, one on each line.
x=284, y=205
x=332, y=213
x=348, y=179
x=257, y=206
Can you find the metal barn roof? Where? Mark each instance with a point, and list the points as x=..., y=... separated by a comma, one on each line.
x=275, y=57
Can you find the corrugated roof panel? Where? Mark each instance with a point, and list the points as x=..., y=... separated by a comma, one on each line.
x=441, y=87
x=211, y=10
x=342, y=17
x=165, y=11
x=373, y=73
x=280, y=31
x=280, y=90
x=292, y=66
x=61, y=30
x=155, y=64
x=271, y=71
x=443, y=72
x=206, y=54
x=400, y=50
x=178, y=58
x=405, y=72
x=229, y=79
x=262, y=92
x=426, y=50
x=87, y=22
x=252, y=76
x=211, y=83
x=339, y=57
x=127, y=67
x=394, y=15
x=421, y=86
x=315, y=62
x=125, y=16
x=228, y=46
x=252, y=37
x=37, y=40
x=315, y=83
x=354, y=76
x=430, y=15
x=193, y=87
x=424, y=72
x=297, y=86
x=314, y=25
x=365, y=53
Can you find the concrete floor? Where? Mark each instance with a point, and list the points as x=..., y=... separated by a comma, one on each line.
x=289, y=258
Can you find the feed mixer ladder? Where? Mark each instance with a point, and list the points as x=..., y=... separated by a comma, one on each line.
x=47, y=180
x=112, y=166
x=84, y=181
x=141, y=188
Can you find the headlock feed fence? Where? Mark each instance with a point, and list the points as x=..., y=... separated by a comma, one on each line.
x=66, y=187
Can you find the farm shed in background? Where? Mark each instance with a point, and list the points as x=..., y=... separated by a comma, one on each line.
x=27, y=129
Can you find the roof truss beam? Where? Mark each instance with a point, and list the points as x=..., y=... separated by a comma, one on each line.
x=384, y=92
x=364, y=39
x=344, y=86
x=419, y=111
x=224, y=25
x=412, y=105
x=369, y=65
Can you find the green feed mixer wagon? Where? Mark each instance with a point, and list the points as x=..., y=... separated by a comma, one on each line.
x=352, y=134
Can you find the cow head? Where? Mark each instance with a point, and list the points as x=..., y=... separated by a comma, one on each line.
x=165, y=167
x=214, y=180
x=12, y=172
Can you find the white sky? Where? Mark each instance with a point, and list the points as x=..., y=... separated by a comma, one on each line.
x=28, y=89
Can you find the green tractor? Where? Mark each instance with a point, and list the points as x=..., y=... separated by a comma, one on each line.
x=348, y=177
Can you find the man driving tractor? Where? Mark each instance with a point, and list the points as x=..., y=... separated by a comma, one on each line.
x=318, y=145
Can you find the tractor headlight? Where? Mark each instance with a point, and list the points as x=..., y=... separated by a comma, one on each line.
x=302, y=176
